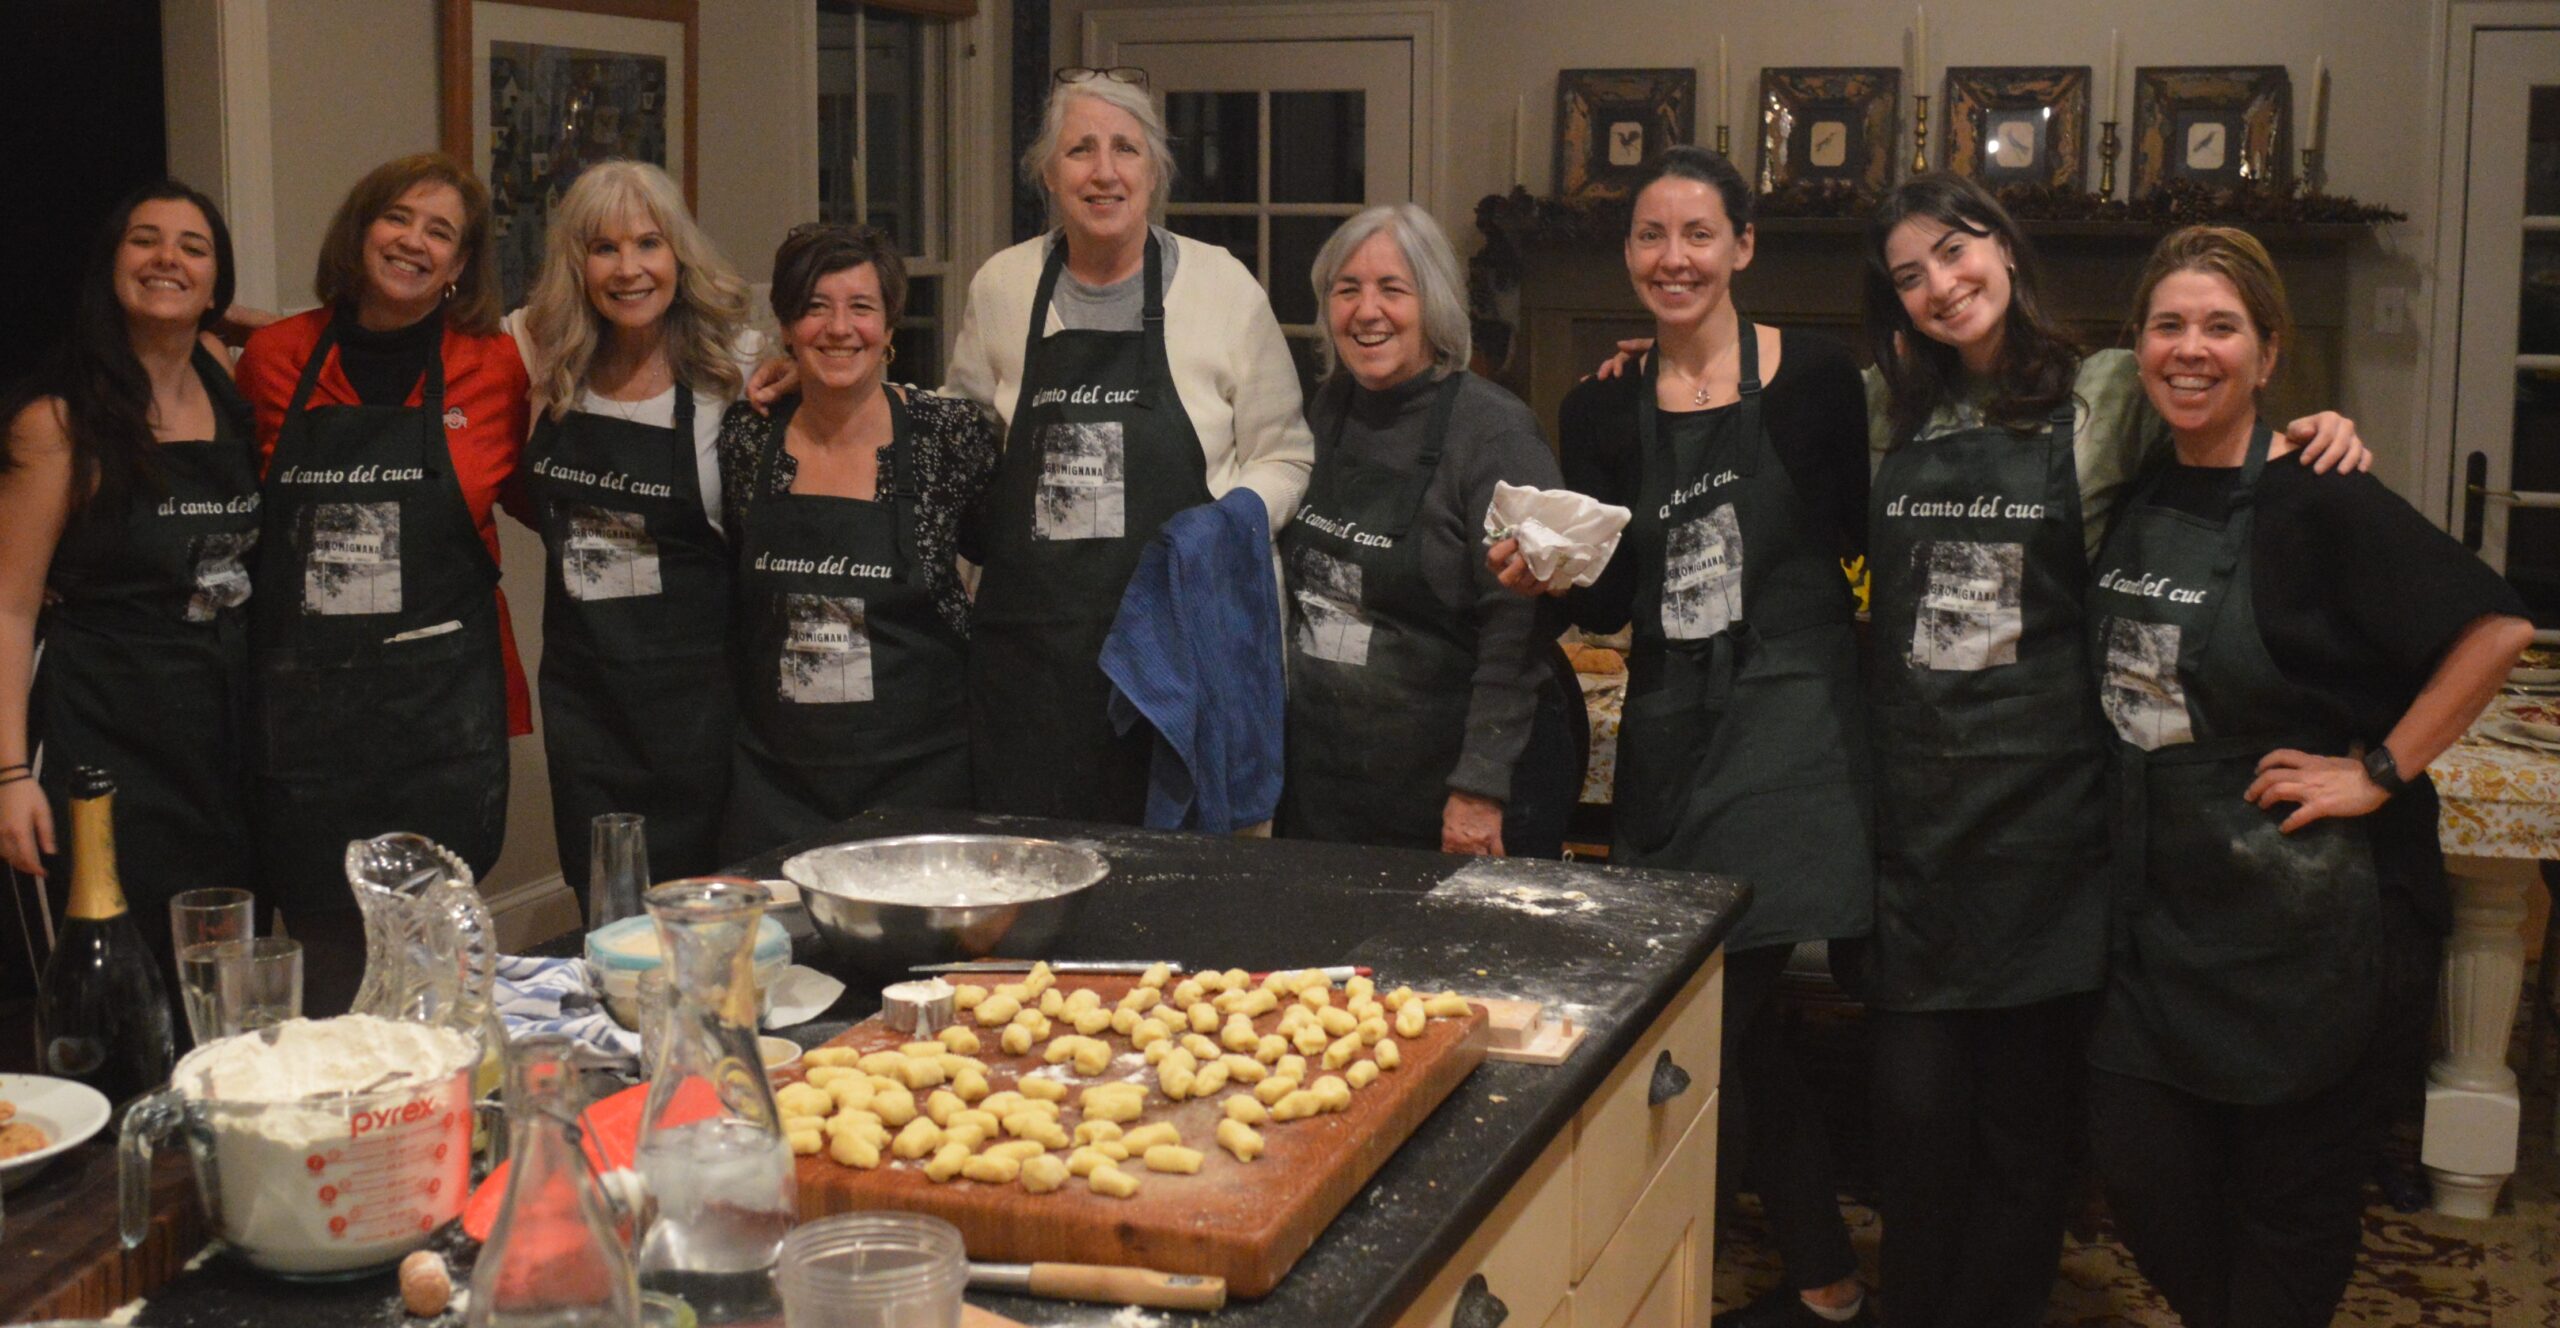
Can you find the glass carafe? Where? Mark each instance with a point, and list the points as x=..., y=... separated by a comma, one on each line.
x=553, y=1258
x=431, y=951
x=712, y=1156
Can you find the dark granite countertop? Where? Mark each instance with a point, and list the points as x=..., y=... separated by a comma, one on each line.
x=1609, y=946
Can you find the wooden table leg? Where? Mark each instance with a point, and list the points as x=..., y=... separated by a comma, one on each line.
x=2473, y=1114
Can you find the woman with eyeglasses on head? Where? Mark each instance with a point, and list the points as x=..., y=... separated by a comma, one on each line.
x=387, y=681
x=843, y=507
x=128, y=513
x=1137, y=373
x=2280, y=655
x=636, y=341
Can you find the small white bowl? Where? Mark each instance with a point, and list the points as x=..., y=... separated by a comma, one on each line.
x=780, y=1053
x=67, y=1112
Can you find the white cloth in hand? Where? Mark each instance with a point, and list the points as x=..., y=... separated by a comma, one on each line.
x=1561, y=533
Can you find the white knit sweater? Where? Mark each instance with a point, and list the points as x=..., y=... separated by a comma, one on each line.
x=1229, y=361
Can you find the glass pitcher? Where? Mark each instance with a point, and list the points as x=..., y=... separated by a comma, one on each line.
x=717, y=1171
x=431, y=951
x=553, y=1259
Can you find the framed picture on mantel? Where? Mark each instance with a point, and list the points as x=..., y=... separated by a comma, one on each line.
x=1829, y=126
x=535, y=91
x=1610, y=122
x=2226, y=126
x=2019, y=125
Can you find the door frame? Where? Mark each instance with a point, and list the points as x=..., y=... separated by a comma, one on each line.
x=1424, y=23
x=2459, y=25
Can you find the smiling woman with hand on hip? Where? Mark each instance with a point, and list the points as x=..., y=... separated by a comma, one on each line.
x=387, y=682
x=2282, y=654
x=1137, y=373
x=128, y=511
x=1415, y=678
x=634, y=336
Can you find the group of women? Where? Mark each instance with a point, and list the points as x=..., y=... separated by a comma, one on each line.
x=276, y=606
x=2133, y=813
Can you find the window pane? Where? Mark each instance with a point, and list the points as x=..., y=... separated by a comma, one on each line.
x=1239, y=235
x=2533, y=534
x=2538, y=298
x=1294, y=242
x=2542, y=154
x=893, y=91
x=1302, y=350
x=839, y=81
x=1215, y=145
x=1319, y=148
x=918, y=339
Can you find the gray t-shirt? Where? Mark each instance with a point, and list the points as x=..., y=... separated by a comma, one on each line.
x=1118, y=307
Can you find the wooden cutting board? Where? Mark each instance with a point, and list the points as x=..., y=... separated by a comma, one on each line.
x=1245, y=1222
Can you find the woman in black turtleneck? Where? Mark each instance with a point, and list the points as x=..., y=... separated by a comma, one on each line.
x=387, y=684
x=1416, y=682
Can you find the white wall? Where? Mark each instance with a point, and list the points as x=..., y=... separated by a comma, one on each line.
x=2380, y=53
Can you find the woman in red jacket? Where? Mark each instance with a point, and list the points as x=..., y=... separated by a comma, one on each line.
x=387, y=682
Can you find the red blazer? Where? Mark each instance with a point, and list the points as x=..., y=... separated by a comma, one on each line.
x=484, y=379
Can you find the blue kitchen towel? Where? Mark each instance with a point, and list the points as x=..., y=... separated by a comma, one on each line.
x=559, y=996
x=1195, y=651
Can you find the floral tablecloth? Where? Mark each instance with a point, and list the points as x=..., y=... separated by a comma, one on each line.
x=1603, y=696
x=2501, y=799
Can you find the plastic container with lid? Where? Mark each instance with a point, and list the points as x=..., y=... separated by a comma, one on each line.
x=622, y=951
x=873, y=1270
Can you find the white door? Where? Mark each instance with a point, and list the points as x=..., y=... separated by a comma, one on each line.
x=2506, y=427
x=1277, y=141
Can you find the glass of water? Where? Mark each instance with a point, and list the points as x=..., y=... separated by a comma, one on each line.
x=199, y=921
x=617, y=867
x=246, y=985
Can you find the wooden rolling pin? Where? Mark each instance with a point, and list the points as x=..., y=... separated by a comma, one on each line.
x=1101, y=1284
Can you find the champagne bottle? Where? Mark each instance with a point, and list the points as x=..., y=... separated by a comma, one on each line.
x=101, y=1011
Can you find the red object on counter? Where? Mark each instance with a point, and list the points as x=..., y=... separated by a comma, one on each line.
x=609, y=1131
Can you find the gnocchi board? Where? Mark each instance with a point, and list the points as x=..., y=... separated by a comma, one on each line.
x=1247, y=1222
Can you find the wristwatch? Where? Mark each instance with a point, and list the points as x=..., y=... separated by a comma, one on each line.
x=2384, y=770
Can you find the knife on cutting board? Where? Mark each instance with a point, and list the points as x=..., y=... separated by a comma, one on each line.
x=1101, y=1284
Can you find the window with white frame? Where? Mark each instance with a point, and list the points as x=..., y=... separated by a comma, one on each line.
x=884, y=117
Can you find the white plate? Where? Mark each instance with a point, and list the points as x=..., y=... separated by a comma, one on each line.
x=2516, y=731
x=2520, y=676
x=67, y=1112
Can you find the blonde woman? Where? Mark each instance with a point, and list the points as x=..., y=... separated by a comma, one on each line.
x=632, y=337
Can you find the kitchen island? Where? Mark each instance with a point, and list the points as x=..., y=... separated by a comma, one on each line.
x=1580, y=1193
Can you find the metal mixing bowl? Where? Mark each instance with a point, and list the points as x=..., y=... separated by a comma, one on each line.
x=885, y=905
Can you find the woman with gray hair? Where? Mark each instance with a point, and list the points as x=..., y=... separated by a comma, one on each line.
x=1137, y=373
x=1415, y=678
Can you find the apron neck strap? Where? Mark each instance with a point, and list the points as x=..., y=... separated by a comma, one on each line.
x=783, y=410
x=2237, y=521
x=1435, y=440
x=1150, y=320
x=430, y=391
x=1745, y=459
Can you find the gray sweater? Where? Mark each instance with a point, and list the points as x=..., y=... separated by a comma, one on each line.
x=1492, y=436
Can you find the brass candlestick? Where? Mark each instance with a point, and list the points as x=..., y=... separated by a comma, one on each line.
x=1724, y=141
x=2107, y=160
x=1920, y=136
x=2315, y=176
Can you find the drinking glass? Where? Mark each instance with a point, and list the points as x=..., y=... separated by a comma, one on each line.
x=617, y=867
x=200, y=920
x=257, y=984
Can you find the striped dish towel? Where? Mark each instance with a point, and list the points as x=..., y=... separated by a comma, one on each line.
x=560, y=996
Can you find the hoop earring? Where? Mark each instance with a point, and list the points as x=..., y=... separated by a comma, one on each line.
x=450, y=288
x=891, y=357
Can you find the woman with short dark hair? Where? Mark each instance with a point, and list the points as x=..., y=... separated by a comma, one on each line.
x=387, y=681
x=842, y=507
x=128, y=510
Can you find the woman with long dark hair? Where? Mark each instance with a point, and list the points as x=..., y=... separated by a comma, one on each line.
x=128, y=508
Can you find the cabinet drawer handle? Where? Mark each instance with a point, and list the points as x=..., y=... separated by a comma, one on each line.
x=1478, y=1307
x=1669, y=1081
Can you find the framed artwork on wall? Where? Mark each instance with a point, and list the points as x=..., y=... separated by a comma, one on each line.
x=1829, y=126
x=535, y=91
x=2223, y=125
x=1610, y=122
x=2018, y=125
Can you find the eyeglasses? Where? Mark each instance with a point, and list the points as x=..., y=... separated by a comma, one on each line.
x=1116, y=73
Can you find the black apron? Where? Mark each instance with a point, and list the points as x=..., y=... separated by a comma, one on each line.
x=381, y=699
x=1990, y=752
x=637, y=715
x=849, y=679
x=1100, y=454
x=145, y=664
x=1381, y=670
x=2247, y=961
x=1743, y=747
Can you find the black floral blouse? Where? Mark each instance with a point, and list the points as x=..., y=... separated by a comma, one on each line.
x=956, y=447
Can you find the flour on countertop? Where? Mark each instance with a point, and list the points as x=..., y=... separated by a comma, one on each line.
x=1130, y=1316
x=1540, y=890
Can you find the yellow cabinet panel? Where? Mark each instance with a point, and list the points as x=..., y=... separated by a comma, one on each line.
x=1659, y=1270
x=1622, y=1139
x=1516, y=1250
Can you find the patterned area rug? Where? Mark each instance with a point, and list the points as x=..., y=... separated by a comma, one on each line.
x=2418, y=1270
